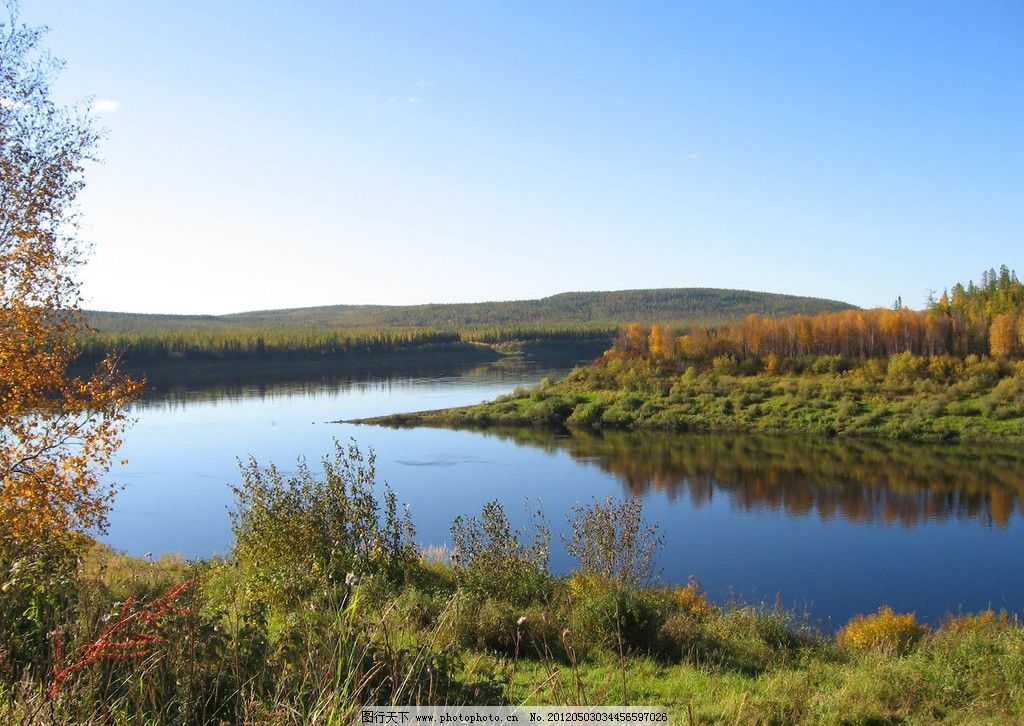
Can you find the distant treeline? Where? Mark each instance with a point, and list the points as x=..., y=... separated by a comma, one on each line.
x=567, y=310
x=237, y=343
x=607, y=309
x=985, y=319
x=361, y=330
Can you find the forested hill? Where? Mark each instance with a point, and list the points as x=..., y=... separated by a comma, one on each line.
x=681, y=305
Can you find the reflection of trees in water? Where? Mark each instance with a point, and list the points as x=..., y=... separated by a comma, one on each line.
x=857, y=480
x=359, y=379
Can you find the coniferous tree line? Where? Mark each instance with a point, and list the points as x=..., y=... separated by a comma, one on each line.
x=712, y=306
x=239, y=343
x=563, y=310
x=244, y=343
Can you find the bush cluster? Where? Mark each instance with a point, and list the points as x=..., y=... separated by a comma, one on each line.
x=906, y=396
x=885, y=630
x=373, y=621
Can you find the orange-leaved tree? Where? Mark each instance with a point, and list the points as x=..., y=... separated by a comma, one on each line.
x=58, y=431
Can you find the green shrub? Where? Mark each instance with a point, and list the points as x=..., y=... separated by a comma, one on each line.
x=607, y=615
x=543, y=414
x=435, y=576
x=1009, y=390
x=301, y=534
x=499, y=627
x=486, y=624
x=869, y=372
x=586, y=415
x=979, y=375
x=750, y=366
x=38, y=593
x=682, y=390
x=725, y=365
x=945, y=368
x=847, y=409
x=414, y=608
x=905, y=368
x=621, y=414
x=610, y=540
x=829, y=364
x=491, y=560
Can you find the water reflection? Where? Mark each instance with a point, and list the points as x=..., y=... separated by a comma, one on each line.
x=862, y=481
x=838, y=526
x=361, y=379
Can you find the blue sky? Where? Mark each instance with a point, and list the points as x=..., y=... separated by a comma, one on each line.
x=265, y=155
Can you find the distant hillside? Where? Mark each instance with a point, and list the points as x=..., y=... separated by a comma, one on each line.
x=680, y=305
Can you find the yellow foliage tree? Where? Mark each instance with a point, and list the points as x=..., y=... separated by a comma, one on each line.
x=57, y=431
x=1003, y=335
x=661, y=341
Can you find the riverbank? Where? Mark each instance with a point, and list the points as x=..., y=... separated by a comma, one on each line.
x=908, y=398
x=326, y=603
x=501, y=632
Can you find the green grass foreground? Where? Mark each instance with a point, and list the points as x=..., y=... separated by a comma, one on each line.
x=907, y=397
x=236, y=654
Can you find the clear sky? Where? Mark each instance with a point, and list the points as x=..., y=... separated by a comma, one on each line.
x=266, y=155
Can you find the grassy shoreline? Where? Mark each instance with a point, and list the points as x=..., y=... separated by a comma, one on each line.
x=970, y=400
x=326, y=603
x=453, y=643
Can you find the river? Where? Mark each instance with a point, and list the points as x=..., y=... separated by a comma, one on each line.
x=827, y=527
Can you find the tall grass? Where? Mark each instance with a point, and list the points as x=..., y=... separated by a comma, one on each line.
x=387, y=626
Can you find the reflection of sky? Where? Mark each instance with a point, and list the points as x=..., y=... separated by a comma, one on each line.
x=182, y=457
x=182, y=454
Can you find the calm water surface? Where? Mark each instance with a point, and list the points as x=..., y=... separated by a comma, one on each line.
x=833, y=527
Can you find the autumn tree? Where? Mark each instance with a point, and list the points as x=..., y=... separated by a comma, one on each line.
x=695, y=344
x=1002, y=338
x=634, y=339
x=57, y=431
x=661, y=341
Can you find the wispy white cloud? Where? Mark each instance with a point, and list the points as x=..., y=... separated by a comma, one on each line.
x=410, y=100
x=105, y=105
